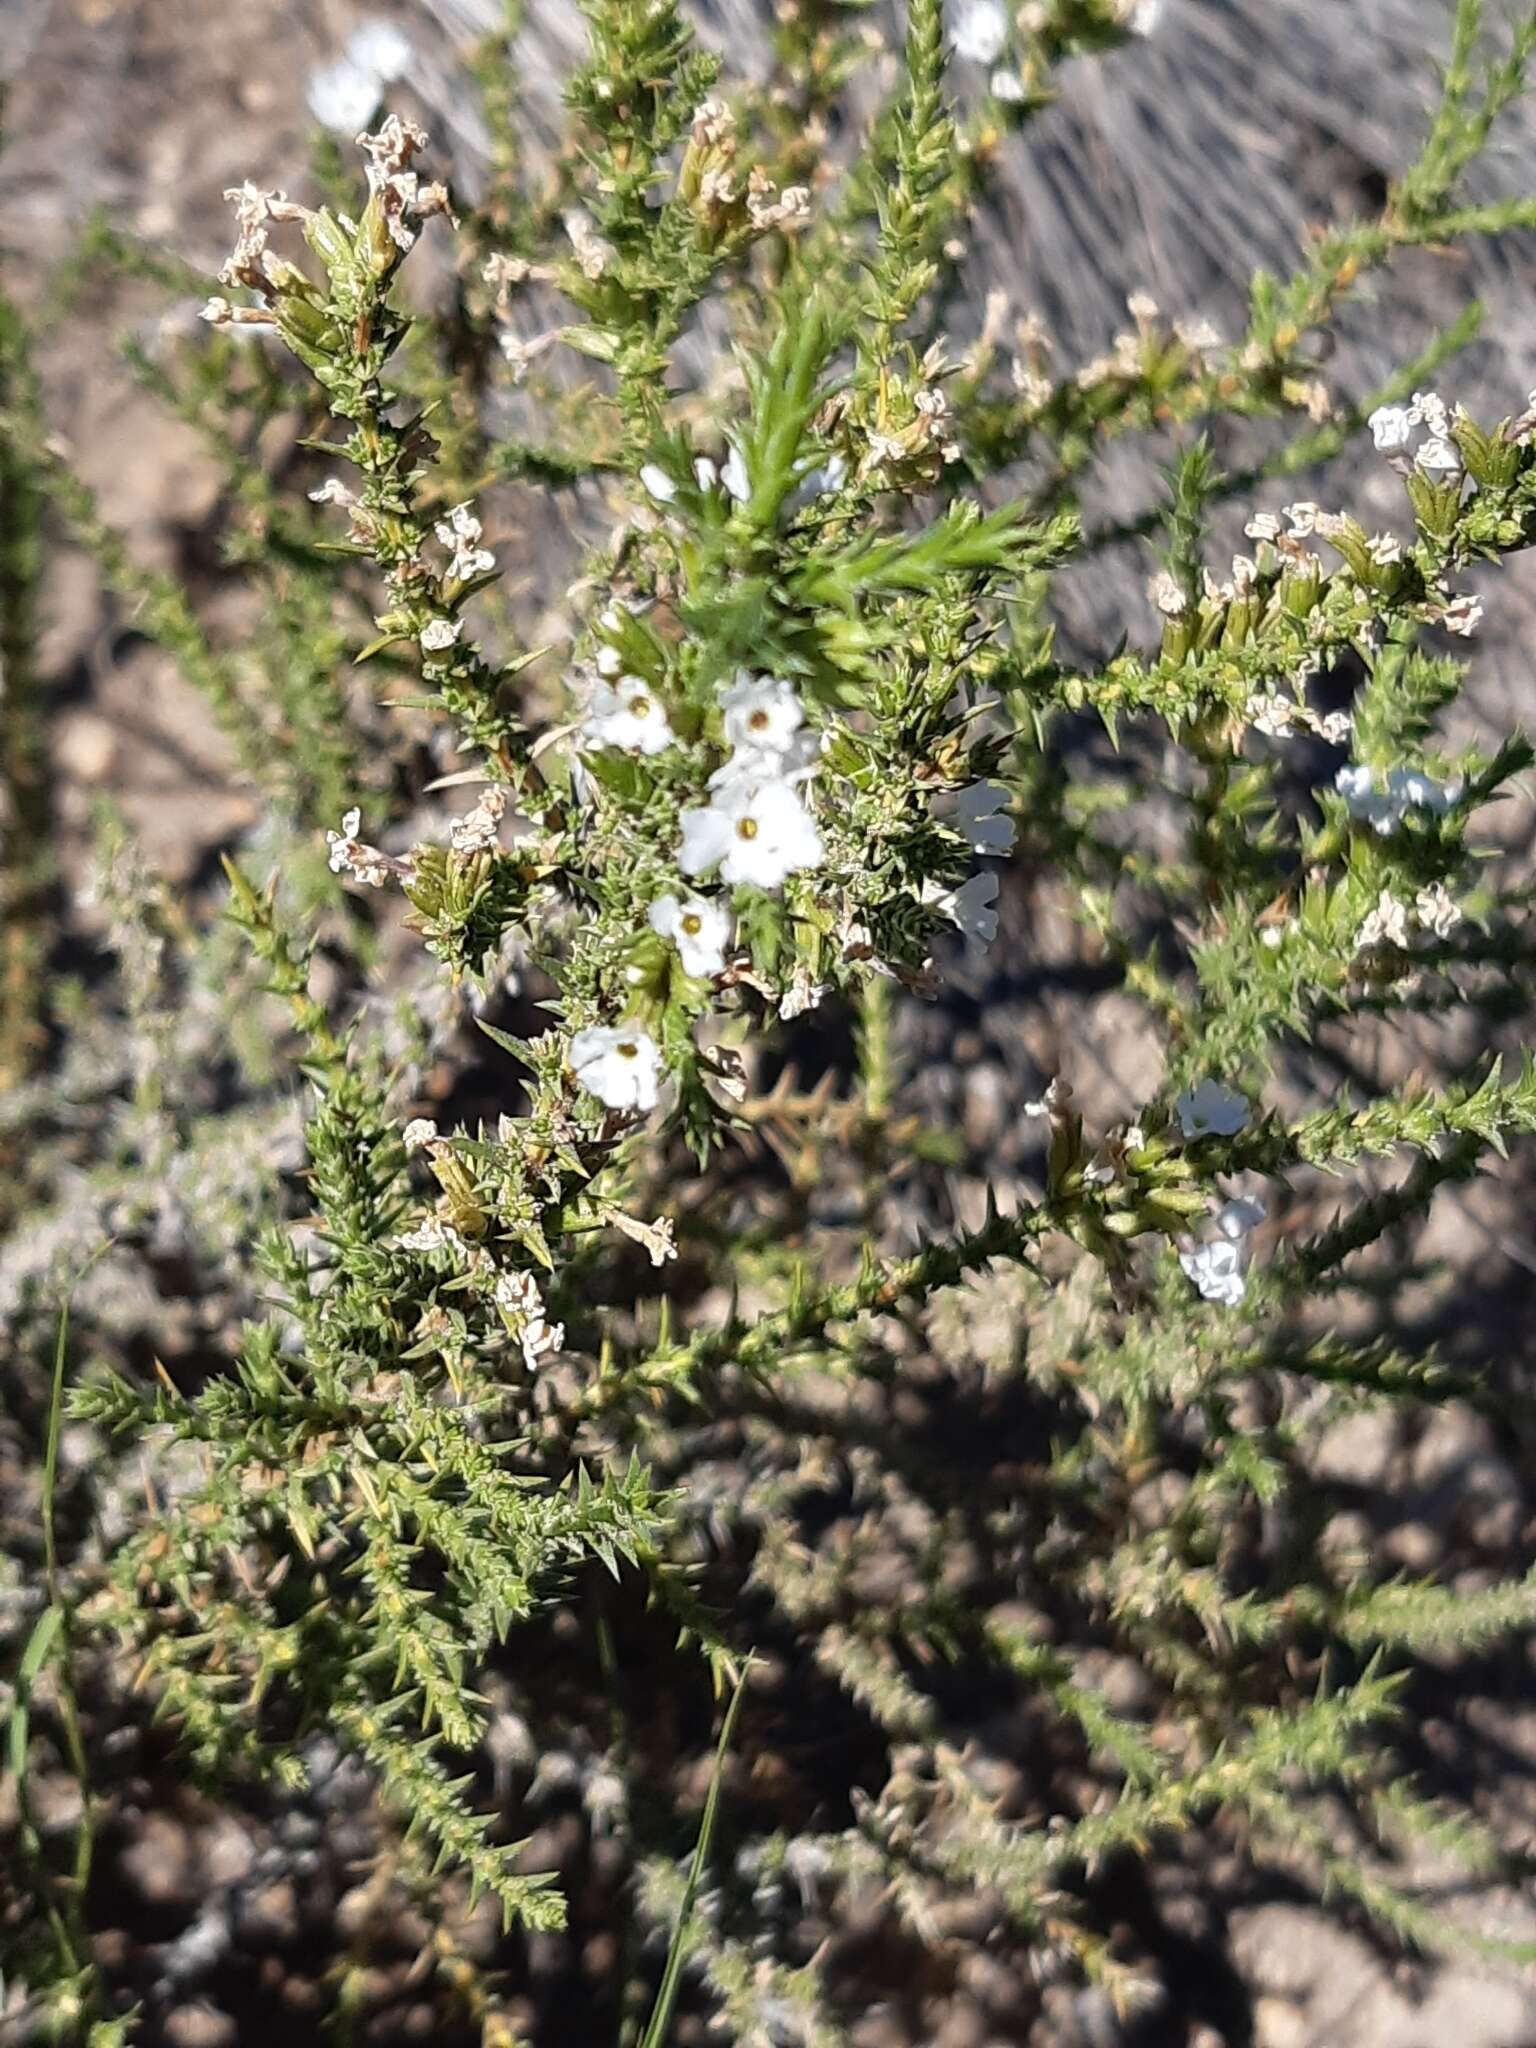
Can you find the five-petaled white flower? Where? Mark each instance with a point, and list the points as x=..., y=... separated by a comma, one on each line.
x=977, y=814
x=617, y=1064
x=628, y=714
x=1211, y=1109
x=758, y=832
x=698, y=928
x=657, y=483
x=761, y=713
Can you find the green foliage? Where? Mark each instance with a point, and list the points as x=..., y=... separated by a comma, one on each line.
x=812, y=687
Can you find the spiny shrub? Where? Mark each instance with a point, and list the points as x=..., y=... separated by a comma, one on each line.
x=641, y=1306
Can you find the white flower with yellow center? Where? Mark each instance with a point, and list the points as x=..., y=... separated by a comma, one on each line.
x=699, y=929
x=756, y=832
x=761, y=712
x=617, y=1064
x=626, y=713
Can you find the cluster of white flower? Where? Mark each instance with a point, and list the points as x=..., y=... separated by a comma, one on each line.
x=1395, y=428
x=516, y=1294
x=344, y=95
x=251, y=263
x=1278, y=715
x=755, y=826
x=522, y=1306
x=1384, y=802
x=477, y=831
x=1219, y=1269
x=402, y=198
x=1391, y=922
x=463, y=536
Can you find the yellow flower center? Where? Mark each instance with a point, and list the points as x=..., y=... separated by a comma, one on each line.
x=628, y=1049
x=693, y=924
x=639, y=707
x=746, y=828
x=758, y=721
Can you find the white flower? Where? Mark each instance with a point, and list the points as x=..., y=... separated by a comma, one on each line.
x=517, y=1296
x=1437, y=910
x=705, y=474
x=461, y=532
x=1007, y=85
x=626, y=714
x=1211, y=1108
x=432, y=1234
x=980, y=30
x=617, y=1064
x=761, y=713
x=1438, y=455
x=1384, y=549
x=973, y=908
x=593, y=252
x=380, y=47
x=794, y=763
x=1216, y=1270
x=366, y=864
x=699, y=929
x=421, y=1130
x=758, y=832
x=734, y=477
x=438, y=635
x=1383, y=808
x=1386, y=925
x=1462, y=615
x=1391, y=428
x=828, y=476
x=975, y=813
x=1237, y=1219
x=333, y=492
x=1411, y=787
x=343, y=95
x=476, y=831
x=1263, y=526
x=1304, y=516
x=1428, y=409
x=658, y=483
x=1363, y=800
x=1167, y=594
